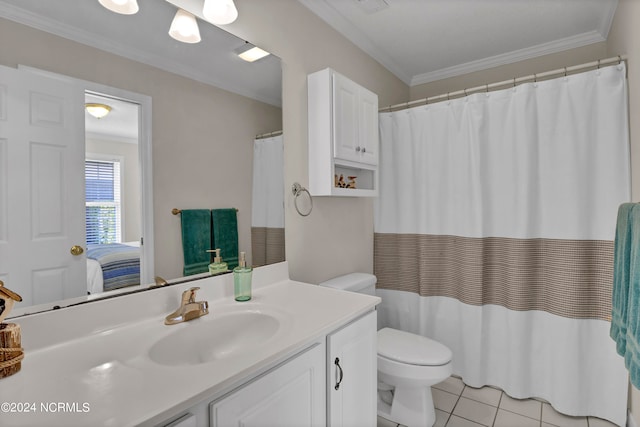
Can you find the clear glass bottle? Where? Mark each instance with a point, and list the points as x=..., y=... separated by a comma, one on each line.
x=217, y=266
x=242, y=280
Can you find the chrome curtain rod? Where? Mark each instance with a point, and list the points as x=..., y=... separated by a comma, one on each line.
x=512, y=82
x=269, y=134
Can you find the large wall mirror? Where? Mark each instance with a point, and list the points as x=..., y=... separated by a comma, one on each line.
x=191, y=127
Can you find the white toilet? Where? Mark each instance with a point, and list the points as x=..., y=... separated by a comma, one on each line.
x=408, y=364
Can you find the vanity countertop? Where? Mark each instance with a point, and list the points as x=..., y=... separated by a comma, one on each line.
x=102, y=373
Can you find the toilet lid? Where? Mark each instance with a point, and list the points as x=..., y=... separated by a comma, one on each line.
x=412, y=349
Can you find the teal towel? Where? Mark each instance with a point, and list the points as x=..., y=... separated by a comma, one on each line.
x=196, y=240
x=632, y=347
x=225, y=235
x=620, y=296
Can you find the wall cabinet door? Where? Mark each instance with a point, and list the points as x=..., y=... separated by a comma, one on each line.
x=292, y=395
x=355, y=119
x=352, y=374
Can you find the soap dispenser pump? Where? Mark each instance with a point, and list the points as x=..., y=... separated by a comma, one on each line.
x=242, y=280
x=217, y=266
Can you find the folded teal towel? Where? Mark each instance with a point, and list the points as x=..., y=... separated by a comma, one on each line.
x=225, y=235
x=632, y=347
x=196, y=240
x=620, y=297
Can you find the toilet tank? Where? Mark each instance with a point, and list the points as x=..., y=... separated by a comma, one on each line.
x=354, y=282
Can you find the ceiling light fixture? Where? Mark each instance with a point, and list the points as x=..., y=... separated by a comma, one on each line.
x=220, y=12
x=251, y=53
x=184, y=27
x=97, y=110
x=124, y=7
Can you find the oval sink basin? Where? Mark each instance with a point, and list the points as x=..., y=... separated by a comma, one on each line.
x=214, y=337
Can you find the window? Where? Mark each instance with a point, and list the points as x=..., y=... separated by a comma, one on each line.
x=103, y=202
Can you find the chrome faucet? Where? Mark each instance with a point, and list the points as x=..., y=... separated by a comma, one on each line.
x=189, y=308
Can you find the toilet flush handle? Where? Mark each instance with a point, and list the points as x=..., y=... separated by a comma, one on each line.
x=337, y=363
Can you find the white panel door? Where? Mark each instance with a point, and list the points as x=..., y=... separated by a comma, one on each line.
x=41, y=187
x=352, y=372
x=290, y=396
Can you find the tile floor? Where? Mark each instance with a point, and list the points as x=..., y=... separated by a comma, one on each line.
x=458, y=405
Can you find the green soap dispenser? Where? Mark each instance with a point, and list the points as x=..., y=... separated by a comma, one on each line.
x=217, y=266
x=242, y=280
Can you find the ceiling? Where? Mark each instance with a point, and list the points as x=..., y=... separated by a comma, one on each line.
x=426, y=40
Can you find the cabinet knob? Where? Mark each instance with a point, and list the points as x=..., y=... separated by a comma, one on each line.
x=364, y=149
x=358, y=149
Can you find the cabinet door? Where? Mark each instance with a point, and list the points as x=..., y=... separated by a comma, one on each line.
x=352, y=374
x=290, y=395
x=346, y=142
x=368, y=127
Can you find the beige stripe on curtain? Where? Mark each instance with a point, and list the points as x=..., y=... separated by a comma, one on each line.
x=569, y=278
x=267, y=245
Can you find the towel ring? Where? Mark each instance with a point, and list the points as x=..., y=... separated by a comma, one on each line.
x=297, y=189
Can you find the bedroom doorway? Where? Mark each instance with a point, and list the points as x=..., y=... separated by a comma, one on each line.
x=113, y=209
x=118, y=167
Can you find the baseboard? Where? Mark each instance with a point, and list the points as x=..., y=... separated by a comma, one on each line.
x=630, y=420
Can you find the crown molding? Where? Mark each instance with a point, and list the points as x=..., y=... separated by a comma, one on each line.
x=509, y=58
x=340, y=24
x=29, y=19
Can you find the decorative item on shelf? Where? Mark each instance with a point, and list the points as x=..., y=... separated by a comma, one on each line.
x=11, y=351
x=338, y=181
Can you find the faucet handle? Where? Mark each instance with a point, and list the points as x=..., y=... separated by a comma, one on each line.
x=189, y=296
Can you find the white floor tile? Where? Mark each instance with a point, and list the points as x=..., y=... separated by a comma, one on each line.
x=452, y=385
x=443, y=400
x=441, y=418
x=528, y=407
x=551, y=416
x=461, y=422
x=488, y=395
x=511, y=419
x=599, y=422
x=480, y=413
x=383, y=422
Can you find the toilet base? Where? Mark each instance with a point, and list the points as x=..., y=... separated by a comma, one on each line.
x=411, y=407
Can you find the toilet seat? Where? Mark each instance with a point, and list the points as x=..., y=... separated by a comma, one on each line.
x=412, y=349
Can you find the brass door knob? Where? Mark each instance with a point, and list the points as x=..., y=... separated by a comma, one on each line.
x=76, y=250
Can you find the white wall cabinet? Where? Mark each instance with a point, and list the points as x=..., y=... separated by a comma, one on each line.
x=343, y=135
x=352, y=374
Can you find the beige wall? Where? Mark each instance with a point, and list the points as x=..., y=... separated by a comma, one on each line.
x=338, y=235
x=202, y=136
x=130, y=176
x=624, y=38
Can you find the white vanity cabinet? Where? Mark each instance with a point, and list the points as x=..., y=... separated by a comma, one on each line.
x=332, y=384
x=352, y=374
x=343, y=135
x=289, y=395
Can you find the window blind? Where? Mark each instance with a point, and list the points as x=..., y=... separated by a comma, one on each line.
x=103, y=204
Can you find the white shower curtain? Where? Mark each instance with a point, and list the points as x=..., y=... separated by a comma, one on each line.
x=267, y=208
x=494, y=235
